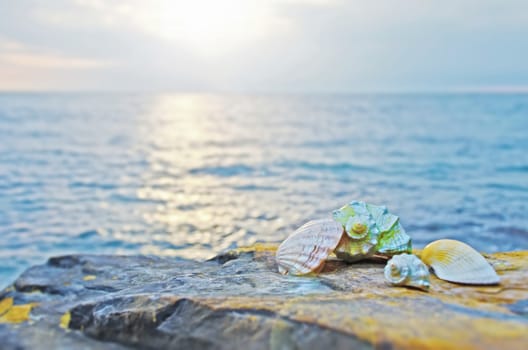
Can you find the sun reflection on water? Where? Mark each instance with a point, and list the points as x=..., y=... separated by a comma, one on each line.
x=194, y=180
x=191, y=175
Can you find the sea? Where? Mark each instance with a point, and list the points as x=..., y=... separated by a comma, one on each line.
x=191, y=175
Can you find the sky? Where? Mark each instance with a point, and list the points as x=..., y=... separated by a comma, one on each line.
x=311, y=46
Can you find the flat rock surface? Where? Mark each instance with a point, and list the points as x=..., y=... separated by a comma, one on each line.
x=239, y=300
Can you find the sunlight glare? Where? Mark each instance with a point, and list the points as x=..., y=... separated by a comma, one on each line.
x=208, y=26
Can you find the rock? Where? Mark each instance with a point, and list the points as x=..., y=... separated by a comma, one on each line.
x=239, y=300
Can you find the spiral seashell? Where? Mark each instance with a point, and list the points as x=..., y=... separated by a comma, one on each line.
x=306, y=249
x=356, y=228
x=455, y=261
x=407, y=270
x=369, y=229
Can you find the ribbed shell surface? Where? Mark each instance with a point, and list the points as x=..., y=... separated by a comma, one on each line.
x=307, y=249
x=457, y=262
x=384, y=234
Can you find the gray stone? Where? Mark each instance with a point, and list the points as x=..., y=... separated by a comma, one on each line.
x=239, y=301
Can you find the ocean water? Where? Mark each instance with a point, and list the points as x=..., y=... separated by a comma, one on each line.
x=191, y=175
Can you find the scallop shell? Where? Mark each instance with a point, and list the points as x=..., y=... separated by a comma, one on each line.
x=370, y=229
x=407, y=270
x=306, y=249
x=455, y=261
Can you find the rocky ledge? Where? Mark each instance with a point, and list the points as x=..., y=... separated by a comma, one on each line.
x=239, y=300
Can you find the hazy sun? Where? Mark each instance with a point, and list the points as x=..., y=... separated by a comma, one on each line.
x=207, y=25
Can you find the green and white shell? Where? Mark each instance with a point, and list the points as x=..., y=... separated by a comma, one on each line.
x=370, y=229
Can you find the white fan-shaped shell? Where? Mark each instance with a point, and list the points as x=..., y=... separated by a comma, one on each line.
x=306, y=249
x=457, y=262
x=407, y=270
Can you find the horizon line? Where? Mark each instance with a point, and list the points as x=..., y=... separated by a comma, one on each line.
x=453, y=91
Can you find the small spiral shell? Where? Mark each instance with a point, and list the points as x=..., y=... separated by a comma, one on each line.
x=407, y=270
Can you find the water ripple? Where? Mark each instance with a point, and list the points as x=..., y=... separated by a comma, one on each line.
x=190, y=175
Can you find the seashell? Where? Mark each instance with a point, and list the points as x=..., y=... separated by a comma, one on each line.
x=455, y=261
x=369, y=229
x=407, y=270
x=394, y=241
x=306, y=249
x=352, y=250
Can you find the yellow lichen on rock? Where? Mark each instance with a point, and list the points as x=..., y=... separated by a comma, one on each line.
x=363, y=305
x=258, y=248
x=10, y=313
x=89, y=277
x=65, y=320
x=5, y=304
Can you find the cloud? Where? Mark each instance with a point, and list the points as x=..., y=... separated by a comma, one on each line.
x=19, y=54
x=264, y=45
x=23, y=66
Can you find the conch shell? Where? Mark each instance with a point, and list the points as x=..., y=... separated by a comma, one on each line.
x=407, y=270
x=455, y=261
x=370, y=229
x=306, y=250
